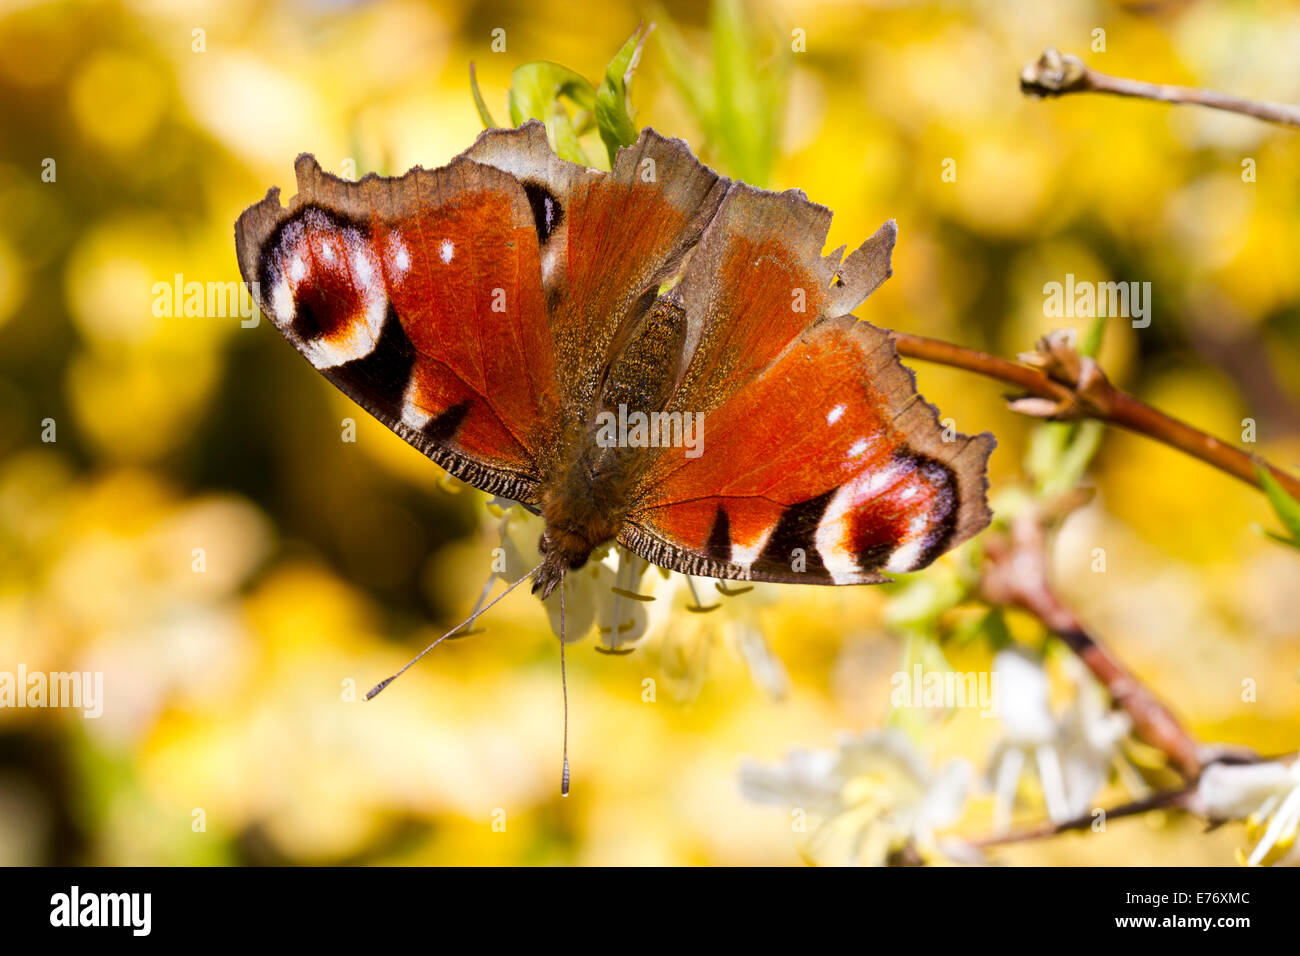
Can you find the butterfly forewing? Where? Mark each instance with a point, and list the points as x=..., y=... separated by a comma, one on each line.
x=421, y=298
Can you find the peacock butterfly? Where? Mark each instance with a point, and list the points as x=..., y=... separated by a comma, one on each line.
x=500, y=313
x=496, y=312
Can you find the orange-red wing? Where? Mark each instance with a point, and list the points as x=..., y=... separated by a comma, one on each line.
x=421, y=298
x=611, y=239
x=827, y=468
x=757, y=280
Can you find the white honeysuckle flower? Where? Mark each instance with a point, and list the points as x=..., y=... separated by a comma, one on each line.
x=702, y=610
x=806, y=780
x=590, y=598
x=623, y=616
x=604, y=594
x=1071, y=755
x=767, y=670
x=873, y=797
x=1266, y=796
x=1089, y=743
x=1024, y=710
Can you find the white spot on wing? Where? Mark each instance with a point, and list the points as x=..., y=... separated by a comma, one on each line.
x=282, y=302
x=858, y=448
x=835, y=414
x=361, y=264
x=297, y=269
x=746, y=554
x=550, y=262
x=339, y=348
x=447, y=251
x=906, y=557
x=412, y=415
x=399, y=258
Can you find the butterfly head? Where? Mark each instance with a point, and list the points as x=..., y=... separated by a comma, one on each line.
x=562, y=551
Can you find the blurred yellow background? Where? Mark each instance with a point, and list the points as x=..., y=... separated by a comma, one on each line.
x=231, y=692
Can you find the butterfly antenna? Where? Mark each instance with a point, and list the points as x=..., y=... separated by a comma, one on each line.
x=478, y=605
x=564, y=685
x=465, y=623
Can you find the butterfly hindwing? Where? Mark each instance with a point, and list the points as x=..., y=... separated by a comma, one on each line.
x=827, y=468
x=819, y=462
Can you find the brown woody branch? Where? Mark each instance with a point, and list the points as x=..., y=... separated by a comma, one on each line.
x=1060, y=384
x=1064, y=386
x=1016, y=574
x=1055, y=74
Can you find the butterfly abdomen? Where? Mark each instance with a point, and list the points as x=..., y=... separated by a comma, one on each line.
x=641, y=376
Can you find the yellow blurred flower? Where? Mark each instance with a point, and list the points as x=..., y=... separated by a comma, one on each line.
x=117, y=99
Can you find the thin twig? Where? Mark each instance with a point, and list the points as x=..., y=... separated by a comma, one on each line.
x=1055, y=74
x=1158, y=801
x=1016, y=573
x=1094, y=397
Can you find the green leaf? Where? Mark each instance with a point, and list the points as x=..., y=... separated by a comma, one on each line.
x=690, y=80
x=748, y=95
x=1092, y=339
x=1078, y=455
x=1286, y=507
x=483, y=114
x=737, y=100
x=918, y=601
x=565, y=136
x=1047, y=443
x=535, y=92
x=923, y=651
x=991, y=625
x=613, y=111
x=1278, y=538
x=1059, y=454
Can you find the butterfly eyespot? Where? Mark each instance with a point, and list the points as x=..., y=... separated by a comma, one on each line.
x=547, y=213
